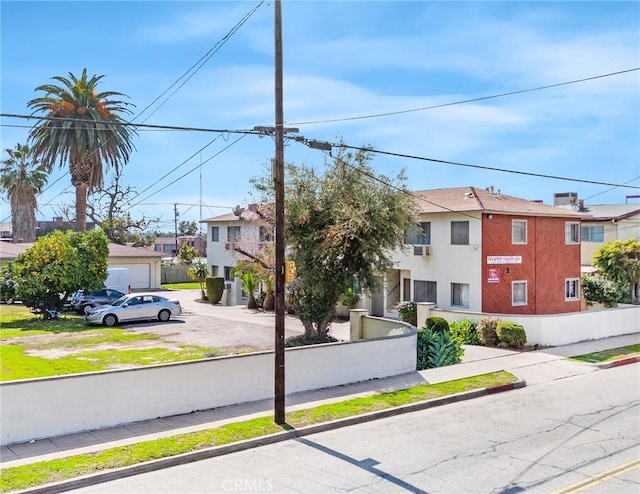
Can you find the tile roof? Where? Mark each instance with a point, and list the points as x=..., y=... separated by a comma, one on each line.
x=473, y=199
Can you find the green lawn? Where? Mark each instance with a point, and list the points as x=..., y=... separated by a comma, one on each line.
x=31, y=347
x=610, y=355
x=192, y=285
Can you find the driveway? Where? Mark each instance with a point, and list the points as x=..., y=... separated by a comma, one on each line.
x=235, y=328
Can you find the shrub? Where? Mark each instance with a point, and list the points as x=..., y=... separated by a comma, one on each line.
x=349, y=298
x=487, y=331
x=408, y=312
x=436, y=349
x=465, y=332
x=215, y=287
x=437, y=324
x=597, y=288
x=511, y=334
x=304, y=340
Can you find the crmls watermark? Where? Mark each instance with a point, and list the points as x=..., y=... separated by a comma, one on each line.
x=247, y=485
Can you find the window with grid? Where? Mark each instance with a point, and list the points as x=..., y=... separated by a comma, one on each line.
x=460, y=295
x=519, y=293
x=572, y=289
x=227, y=273
x=592, y=234
x=459, y=233
x=233, y=234
x=215, y=234
x=572, y=232
x=420, y=234
x=264, y=234
x=425, y=291
x=519, y=231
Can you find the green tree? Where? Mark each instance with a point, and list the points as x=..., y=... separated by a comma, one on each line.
x=341, y=228
x=22, y=179
x=58, y=264
x=84, y=127
x=619, y=261
x=199, y=272
x=187, y=254
x=187, y=228
x=248, y=274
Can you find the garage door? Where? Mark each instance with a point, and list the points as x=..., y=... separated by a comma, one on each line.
x=139, y=275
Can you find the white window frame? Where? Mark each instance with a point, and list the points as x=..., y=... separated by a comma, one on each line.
x=515, y=229
x=464, y=297
x=519, y=303
x=569, y=233
x=568, y=289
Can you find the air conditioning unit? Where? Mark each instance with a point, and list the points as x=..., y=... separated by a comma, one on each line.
x=426, y=250
x=227, y=246
x=417, y=250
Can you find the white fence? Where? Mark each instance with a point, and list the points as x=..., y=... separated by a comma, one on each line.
x=555, y=329
x=40, y=408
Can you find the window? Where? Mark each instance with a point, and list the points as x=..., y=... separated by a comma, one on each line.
x=420, y=234
x=571, y=233
x=214, y=270
x=233, y=234
x=460, y=294
x=519, y=231
x=459, y=233
x=572, y=289
x=425, y=291
x=264, y=234
x=227, y=273
x=215, y=234
x=518, y=293
x=592, y=234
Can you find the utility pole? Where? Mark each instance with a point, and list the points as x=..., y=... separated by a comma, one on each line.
x=175, y=222
x=279, y=401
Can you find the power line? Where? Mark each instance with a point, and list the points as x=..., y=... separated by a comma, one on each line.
x=472, y=100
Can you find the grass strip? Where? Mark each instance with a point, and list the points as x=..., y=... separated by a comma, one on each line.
x=609, y=355
x=45, y=472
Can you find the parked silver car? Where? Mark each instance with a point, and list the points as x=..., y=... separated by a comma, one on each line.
x=135, y=307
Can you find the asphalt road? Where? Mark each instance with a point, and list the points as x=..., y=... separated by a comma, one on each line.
x=542, y=439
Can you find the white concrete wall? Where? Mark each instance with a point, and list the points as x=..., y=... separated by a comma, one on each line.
x=40, y=408
x=559, y=329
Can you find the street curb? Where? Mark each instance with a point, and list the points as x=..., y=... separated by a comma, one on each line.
x=154, y=465
x=618, y=363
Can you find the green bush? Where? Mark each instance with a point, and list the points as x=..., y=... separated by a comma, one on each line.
x=511, y=334
x=437, y=324
x=408, y=312
x=465, y=332
x=437, y=349
x=215, y=287
x=487, y=331
x=597, y=288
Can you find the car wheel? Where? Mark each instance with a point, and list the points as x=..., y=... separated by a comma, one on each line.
x=110, y=320
x=164, y=315
x=9, y=301
x=86, y=308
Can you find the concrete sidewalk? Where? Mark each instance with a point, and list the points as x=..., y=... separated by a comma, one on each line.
x=533, y=367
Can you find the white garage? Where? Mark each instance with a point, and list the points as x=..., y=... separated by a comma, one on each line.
x=143, y=265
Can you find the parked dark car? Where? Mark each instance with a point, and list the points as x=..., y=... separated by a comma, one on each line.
x=82, y=302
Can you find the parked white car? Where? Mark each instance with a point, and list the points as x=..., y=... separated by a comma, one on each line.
x=135, y=307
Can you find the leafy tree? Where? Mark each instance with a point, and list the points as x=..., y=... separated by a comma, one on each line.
x=598, y=288
x=187, y=254
x=83, y=127
x=341, y=227
x=58, y=264
x=199, y=272
x=620, y=262
x=22, y=179
x=187, y=228
x=247, y=273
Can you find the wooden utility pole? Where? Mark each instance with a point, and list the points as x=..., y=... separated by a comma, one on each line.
x=279, y=402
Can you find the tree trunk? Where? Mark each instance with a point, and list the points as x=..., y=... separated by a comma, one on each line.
x=81, y=205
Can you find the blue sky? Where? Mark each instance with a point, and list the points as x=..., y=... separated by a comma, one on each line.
x=345, y=59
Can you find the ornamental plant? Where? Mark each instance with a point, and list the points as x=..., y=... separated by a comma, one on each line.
x=511, y=335
x=408, y=312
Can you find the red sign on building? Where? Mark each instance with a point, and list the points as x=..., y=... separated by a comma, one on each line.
x=493, y=275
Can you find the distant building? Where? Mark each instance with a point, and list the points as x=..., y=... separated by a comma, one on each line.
x=167, y=245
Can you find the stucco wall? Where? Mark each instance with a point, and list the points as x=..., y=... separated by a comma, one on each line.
x=39, y=408
x=557, y=329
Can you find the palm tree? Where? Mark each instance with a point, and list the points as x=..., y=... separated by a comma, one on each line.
x=22, y=179
x=247, y=273
x=199, y=272
x=83, y=127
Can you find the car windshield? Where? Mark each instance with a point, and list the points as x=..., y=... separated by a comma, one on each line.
x=120, y=301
